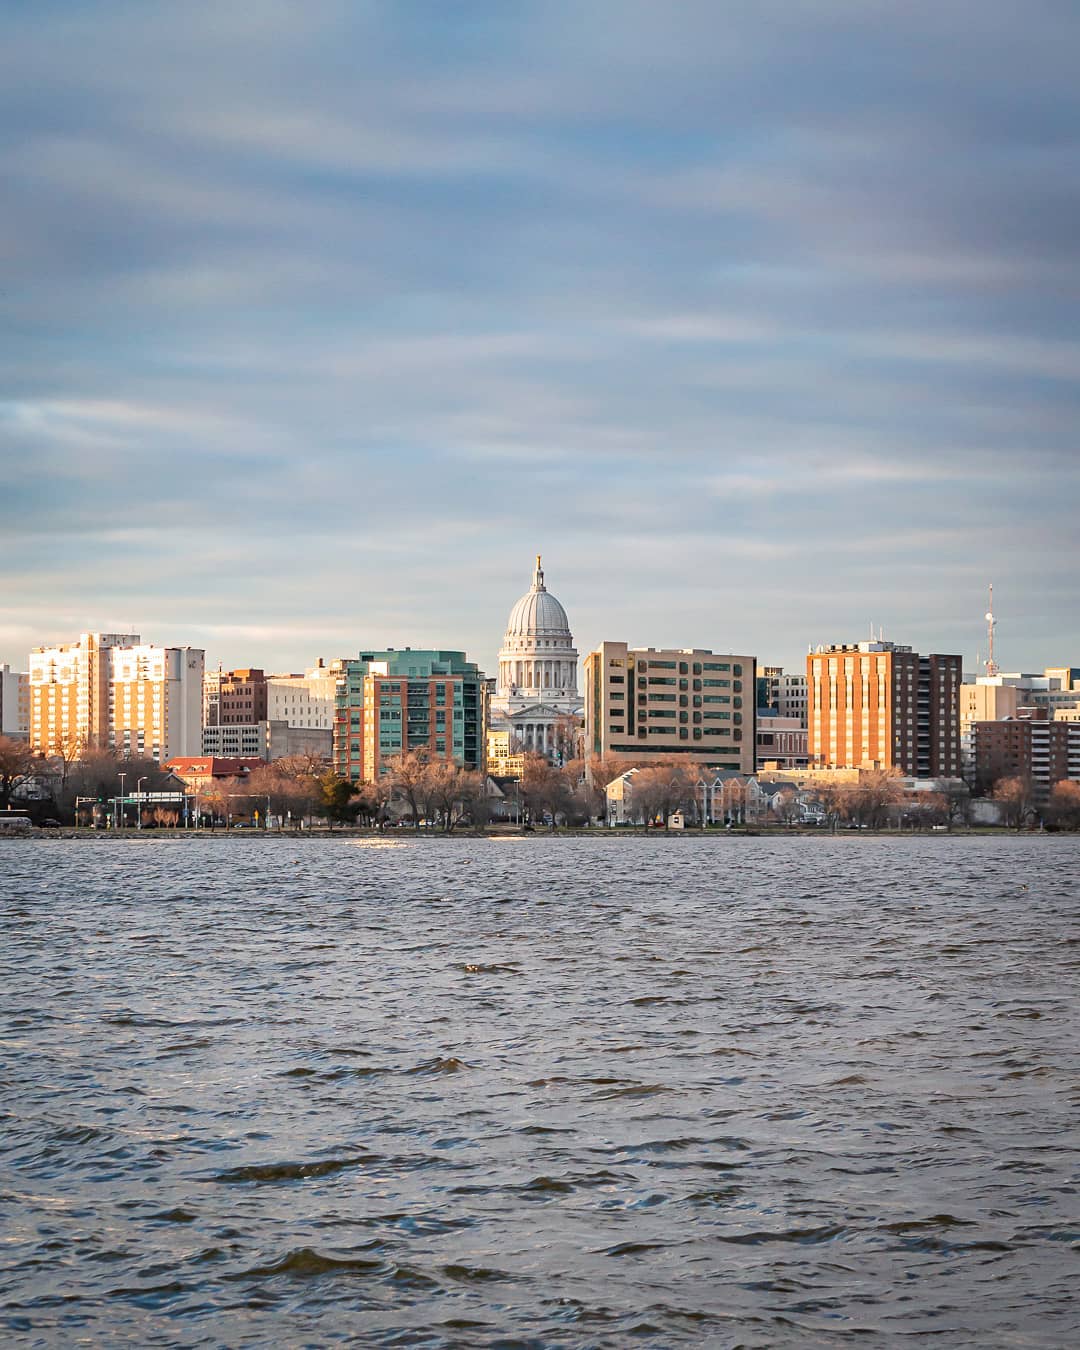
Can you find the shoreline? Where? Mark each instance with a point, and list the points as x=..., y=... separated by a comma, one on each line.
x=158, y=835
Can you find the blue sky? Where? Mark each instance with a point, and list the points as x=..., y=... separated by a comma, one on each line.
x=759, y=320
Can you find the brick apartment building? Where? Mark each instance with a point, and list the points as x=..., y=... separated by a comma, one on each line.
x=880, y=705
x=1035, y=748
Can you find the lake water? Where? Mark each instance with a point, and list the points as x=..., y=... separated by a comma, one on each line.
x=540, y=1092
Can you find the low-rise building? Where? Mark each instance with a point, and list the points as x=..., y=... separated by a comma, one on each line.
x=781, y=742
x=199, y=771
x=504, y=757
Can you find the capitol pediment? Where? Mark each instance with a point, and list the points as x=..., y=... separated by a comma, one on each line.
x=538, y=712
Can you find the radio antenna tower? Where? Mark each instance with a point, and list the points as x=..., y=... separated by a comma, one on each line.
x=991, y=623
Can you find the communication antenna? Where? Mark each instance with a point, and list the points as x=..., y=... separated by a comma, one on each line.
x=991, y=623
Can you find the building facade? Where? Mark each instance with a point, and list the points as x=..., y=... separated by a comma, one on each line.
x=644, y=703
x=503, y=761
x=1039, y=749
x=14, y=703
x=112, y=691
x=781, y=742
x=391, y=702
x=248, y=712
x=234, y=697
x=880, y=705
x=791, y=697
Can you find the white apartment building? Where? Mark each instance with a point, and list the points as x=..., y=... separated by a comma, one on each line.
x=302, y=700
x=14, y=703
x=113, y=691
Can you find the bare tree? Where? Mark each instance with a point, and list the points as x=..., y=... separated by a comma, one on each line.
x=408, y=779
x=18, y=765
x=662, y=790
x=787, y=807
x=474, y=803
x=868, y=801
x=567, y=738
x=372, y=799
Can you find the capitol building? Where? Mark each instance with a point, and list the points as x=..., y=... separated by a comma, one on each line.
x=536, y=693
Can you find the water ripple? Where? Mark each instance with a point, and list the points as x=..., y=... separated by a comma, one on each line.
x=539, y=1092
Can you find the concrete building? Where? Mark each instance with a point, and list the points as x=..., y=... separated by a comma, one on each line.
x=246, y=740
x=111, y=690
x=644, y=703
x=1035, y=748
x=880, y=705
x=780, y=695
x=391, y=702
x=14, y=703
x=985, y=700
x=303, y=702
x=791, y=697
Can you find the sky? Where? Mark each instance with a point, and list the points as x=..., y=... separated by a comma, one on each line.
x=758, y=320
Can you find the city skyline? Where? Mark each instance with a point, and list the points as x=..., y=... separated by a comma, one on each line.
x=266, y=647
x=759, y=325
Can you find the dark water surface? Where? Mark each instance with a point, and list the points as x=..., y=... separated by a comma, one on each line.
x=550, y=1092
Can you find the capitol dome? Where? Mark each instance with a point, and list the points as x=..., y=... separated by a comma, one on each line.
x=538, y=660
x=538, y=614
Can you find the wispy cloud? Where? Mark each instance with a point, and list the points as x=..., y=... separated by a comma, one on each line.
x=756, y=320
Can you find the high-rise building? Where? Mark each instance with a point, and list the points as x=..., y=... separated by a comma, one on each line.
x=14, y=703
x=112, y=691
x=644, y=703
x=880, y=705
x=391, y=702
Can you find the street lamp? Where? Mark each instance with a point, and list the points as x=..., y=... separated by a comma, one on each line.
x=121, y=815
x=138, y=793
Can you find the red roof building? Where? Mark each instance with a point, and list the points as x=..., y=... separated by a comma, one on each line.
x=198, y=770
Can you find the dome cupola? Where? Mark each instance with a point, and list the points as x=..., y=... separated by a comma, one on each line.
x=538, y=659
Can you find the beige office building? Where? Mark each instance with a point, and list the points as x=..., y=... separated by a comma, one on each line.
x=644, y=704
x=112, y=691
x=986, y=702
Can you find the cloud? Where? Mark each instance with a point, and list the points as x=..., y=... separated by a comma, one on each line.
x=319, y=326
